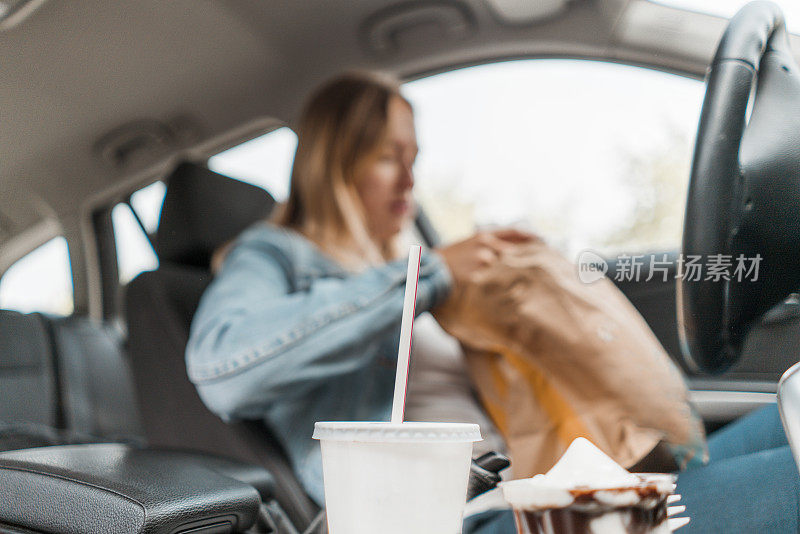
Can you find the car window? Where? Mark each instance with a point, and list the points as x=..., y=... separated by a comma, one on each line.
x=588, y=154
x=134, y=253
x=40, y=281
x=147, y=203
x=265, y=161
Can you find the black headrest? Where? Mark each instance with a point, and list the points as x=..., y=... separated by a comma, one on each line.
x=202, y=210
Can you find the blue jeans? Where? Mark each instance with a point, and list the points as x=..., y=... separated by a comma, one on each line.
x=751, y=484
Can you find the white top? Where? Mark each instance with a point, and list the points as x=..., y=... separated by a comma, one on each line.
x=439, y=388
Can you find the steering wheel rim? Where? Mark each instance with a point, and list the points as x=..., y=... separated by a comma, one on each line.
x=710, y=331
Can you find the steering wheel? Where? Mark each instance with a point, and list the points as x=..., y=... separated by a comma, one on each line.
x=743, y=204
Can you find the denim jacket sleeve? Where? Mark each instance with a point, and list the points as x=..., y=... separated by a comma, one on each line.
x=259, y=335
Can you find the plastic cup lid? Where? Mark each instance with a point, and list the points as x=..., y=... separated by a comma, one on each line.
x=396, y=432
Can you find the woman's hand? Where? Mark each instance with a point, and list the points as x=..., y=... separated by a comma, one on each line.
x=480, y=250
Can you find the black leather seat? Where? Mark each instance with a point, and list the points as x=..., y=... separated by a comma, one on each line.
x=28, y=391
x=63, y=380
x=202, y=210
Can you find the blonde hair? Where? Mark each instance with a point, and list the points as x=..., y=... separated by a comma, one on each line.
x=341, y=127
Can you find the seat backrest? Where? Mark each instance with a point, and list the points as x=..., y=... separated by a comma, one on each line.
x=62, y=380
x=96, y=386
x=159, y=308
x=28, y=385
x=202, y=210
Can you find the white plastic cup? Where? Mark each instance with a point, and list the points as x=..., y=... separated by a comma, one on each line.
x=395, y=478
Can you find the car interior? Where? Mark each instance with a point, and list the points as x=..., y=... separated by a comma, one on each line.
x=101, y=429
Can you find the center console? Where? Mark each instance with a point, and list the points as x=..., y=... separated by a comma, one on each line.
x=115, y=488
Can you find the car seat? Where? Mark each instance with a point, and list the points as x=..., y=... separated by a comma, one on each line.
x=63, y=380
x=202, y=210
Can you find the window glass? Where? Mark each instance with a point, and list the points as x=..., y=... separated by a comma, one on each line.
x=265, y=161
x=587, y=154
x=147, y=202
x=40, y=281
x=134, y=253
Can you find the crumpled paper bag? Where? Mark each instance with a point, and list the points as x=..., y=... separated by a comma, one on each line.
x=553, y=359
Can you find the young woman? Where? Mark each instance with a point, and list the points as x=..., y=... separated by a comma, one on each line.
x=302, y=322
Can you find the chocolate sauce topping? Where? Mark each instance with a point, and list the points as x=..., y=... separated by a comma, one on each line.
x=648, y=513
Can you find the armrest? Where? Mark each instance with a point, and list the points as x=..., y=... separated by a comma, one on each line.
x=115, y=488
x=254, y=475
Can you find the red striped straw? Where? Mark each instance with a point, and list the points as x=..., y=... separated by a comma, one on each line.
x=406, y=331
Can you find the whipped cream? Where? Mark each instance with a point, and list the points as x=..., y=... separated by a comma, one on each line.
x=584, y=467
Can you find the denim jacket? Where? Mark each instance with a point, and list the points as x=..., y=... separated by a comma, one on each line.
x=286, y=335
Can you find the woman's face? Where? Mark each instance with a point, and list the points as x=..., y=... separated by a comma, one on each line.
x=385, y=181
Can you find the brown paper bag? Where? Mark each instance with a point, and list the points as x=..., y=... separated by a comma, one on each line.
x=553, y=359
